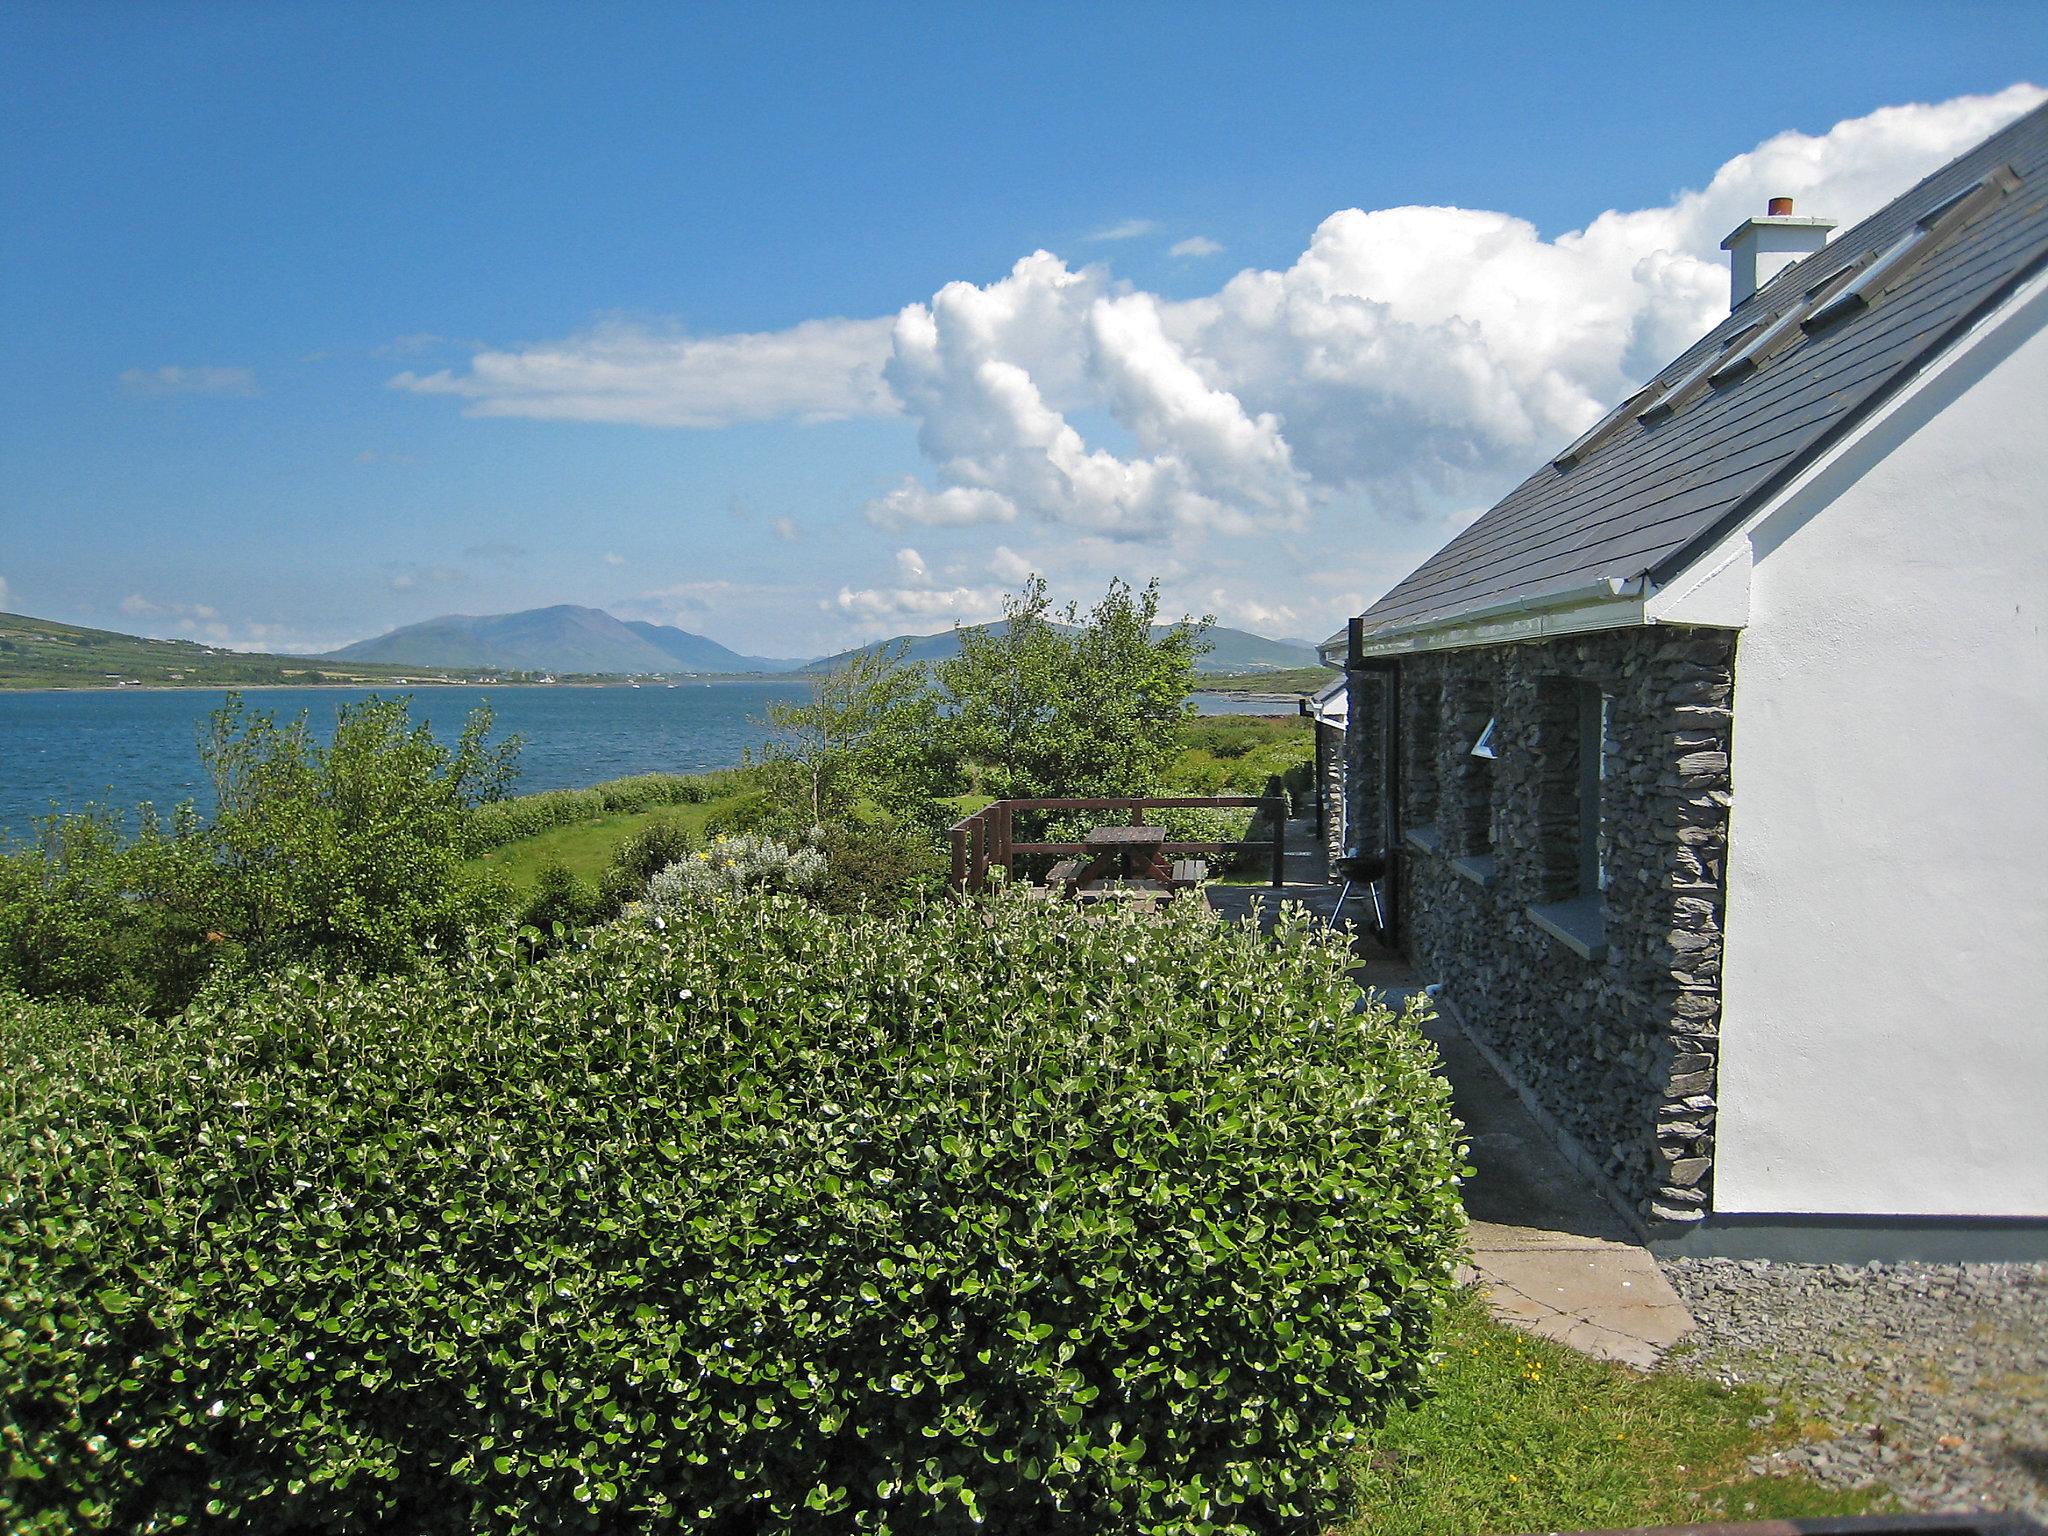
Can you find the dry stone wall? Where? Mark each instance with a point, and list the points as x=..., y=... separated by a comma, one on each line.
x=1619, y=1048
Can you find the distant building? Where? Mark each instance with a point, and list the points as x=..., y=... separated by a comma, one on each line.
x=1711, y=760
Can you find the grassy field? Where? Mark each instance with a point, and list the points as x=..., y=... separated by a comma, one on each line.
x=1300, y=681
x=585, y=848
x=1525, y=1435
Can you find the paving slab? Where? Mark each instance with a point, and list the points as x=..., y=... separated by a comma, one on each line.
x=1552, y=1257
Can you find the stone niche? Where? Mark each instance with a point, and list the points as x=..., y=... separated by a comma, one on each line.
x=1613, y=1031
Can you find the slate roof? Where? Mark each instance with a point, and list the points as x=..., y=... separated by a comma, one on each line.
x=1648, y=498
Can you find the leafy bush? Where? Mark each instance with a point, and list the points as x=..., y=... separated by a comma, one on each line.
x=741, y=814
x=87, y=911
x=878, y=865
x=559, y=898
x=651, y=850
x=732, y=867
x=347, y=851
x=987, y=1216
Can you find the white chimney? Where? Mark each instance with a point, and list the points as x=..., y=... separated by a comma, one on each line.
x=1759, y=249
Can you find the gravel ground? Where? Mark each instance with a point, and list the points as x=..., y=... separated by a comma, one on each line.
x=1930, y=1379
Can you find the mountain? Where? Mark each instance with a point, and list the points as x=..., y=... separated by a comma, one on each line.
x=697, y=654
x=1234, y=651
x=564, y=638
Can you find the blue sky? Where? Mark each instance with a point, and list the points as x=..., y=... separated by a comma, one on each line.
x=325, y=319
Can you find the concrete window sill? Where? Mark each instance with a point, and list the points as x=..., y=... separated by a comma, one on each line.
x=1580, y=925
x=1482, y=869
x=1428, y=839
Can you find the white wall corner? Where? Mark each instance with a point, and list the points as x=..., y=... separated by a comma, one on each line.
x=1712, y=593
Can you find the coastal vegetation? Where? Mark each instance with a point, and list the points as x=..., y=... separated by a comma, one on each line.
x=390, y=1152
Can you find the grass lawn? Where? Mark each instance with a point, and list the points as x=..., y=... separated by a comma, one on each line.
x=1524, y=1435
x=585, y=848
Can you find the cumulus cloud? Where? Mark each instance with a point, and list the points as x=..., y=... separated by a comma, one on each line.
x=785, y=529
x=1005, y=564
x=1195, y=245
x=189, y=381
x=1128, y=229
x=819, y=370
x=1409, y=361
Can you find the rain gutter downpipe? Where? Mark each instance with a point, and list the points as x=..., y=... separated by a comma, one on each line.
x=1358, y=666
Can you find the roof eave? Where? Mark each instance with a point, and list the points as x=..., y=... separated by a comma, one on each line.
x=1613, y=602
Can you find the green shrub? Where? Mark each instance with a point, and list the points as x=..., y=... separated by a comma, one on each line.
x=652, y=849
x=86, y=911
x=741, y=814
x=733, y=867
x=559, y=897
x=879, y=865
x=985, y=1216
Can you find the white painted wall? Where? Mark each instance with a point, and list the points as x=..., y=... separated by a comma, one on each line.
x=1885, y=1020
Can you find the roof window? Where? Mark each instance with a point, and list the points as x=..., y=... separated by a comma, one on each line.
x=1688, y=384
x=1731, y=366
x=1904, y=253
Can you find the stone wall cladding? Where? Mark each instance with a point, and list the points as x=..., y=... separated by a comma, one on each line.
x=1620, y=1050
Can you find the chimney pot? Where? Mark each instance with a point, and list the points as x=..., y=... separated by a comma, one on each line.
x=1780, y=208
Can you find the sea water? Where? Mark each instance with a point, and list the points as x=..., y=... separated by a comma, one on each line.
x=120, y=746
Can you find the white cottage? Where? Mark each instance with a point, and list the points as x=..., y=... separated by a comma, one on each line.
x=1712, y=763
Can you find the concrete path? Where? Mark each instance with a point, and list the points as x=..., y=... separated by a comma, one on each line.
x=1552, y=1256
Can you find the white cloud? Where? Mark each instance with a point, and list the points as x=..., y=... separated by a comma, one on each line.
x=614, y=559
x=1410, y=361
x=3, y=591
x=885, y=610
x=190, y=381
x=819, y=370
x=1006, y=565
x=1195, y=245
x=785, y=529
x=957, y=506
x=1128, y=229
x=910, y=565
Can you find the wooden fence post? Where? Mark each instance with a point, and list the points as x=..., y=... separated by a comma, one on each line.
x=958, y=838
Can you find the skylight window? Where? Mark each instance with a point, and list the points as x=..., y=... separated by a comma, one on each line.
x=1902, y=254
x=1685, y=387
x=1855, y=294
x=1732, y=366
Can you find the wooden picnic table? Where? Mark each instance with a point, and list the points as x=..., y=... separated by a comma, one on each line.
x=1118, y=848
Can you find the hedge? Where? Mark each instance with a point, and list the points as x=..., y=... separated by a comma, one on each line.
x=498, y=822
x=987, y=1216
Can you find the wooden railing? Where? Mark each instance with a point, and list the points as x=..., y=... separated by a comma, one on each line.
x=983, y=840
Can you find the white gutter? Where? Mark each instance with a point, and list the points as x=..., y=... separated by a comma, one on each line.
x=1613, y=602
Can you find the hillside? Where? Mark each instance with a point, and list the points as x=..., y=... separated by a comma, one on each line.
x=42, y=653
x=1234, y=652
x=563, y=639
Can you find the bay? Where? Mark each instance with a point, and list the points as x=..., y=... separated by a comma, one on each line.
x=121, y=746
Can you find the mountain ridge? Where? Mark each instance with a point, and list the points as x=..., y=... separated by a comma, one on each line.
x=563, y=637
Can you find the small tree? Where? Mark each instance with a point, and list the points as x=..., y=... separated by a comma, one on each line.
x=351, y=851
x=869, y=733
x=1071, y=704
